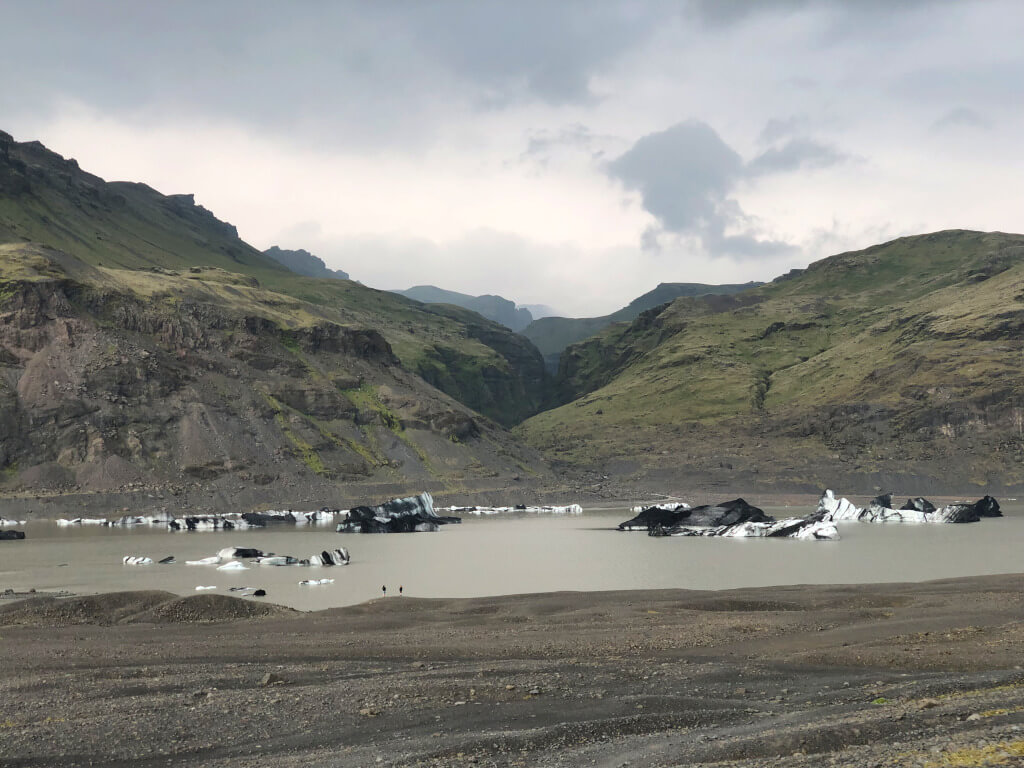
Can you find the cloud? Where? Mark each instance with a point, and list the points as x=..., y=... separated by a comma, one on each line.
x=381, y=74
x=543, y=144
x=795, y=154
x=778, y=128
x=686, y=176
x=961, y=117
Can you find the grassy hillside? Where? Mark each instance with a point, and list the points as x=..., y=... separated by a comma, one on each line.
x=551, y=335
x=48, y=200
x=902, y=363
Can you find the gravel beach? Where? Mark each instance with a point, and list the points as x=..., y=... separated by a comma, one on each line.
x=906, y=674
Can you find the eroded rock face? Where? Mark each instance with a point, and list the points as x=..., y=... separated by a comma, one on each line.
x=104, y=391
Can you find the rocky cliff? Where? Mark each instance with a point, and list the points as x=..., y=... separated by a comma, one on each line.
x=117, y=379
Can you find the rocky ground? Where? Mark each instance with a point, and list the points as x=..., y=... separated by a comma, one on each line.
x=891, y=675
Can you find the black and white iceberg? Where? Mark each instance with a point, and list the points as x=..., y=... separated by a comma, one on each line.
x=413, y=513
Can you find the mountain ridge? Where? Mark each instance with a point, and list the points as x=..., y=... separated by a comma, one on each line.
x=552, y=334
x=900, y=362
x=304, y=263
x=493, y=307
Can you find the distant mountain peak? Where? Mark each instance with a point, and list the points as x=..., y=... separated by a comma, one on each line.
x=496, y=308
x=303, y=262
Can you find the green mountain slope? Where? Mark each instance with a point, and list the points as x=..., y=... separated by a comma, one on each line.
x=495, y=308
x=551, y=335
x=48, y=200
x=899, y=364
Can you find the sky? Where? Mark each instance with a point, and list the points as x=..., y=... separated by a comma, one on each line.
x=573, y=154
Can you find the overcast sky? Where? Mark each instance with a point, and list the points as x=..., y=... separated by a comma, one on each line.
x=568, y=153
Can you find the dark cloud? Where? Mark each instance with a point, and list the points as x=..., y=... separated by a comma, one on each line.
x=362, y=68
x=961, y=117
x=796, y=154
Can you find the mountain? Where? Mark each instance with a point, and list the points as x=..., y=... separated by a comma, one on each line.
x=143, y=344
x=304, y=263
x=553, y=334
x=537, y=311
x=495, y=308
x=896, y=367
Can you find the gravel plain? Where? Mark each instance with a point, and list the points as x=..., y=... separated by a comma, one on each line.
x=877, y=675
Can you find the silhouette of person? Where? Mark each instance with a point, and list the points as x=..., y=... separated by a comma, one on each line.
x=399, y=589
x=384, y=590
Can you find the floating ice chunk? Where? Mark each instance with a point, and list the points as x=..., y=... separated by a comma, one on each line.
x=331, y=557
x=570, y=509
x=205, y=561
x=413, y=513
x=277, y=560
x=809, y=528
x=200, y=588
x=234, y=565
x=64, y=522
x=137, y=560
x=667, y=506
x=821, y=531
x=917, y=510
x=315, y=582
x=241, y=553
x=833, y=509
x=6, y=522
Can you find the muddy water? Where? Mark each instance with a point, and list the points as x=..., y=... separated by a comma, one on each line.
x=508, y=555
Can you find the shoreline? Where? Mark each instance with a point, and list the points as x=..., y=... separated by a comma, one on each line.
x=890, y=674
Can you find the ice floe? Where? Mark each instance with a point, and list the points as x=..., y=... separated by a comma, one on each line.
x=569, y=509
x=916, y=510
x=413, y=513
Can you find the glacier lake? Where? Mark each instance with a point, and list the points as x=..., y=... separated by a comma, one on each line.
x=512, y=553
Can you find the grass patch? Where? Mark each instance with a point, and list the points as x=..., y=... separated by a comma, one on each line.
x=1001, y=753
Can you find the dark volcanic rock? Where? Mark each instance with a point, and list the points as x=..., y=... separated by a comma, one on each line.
x=12, y=535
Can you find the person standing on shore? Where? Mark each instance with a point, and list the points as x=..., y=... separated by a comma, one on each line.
x=399, y=590
x=384, y=590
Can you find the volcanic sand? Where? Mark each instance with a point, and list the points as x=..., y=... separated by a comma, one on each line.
x=904, y=674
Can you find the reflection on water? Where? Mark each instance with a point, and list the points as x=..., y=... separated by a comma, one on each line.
x=509, y=555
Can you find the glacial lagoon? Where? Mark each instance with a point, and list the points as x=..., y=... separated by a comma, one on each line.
x=508, y=554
